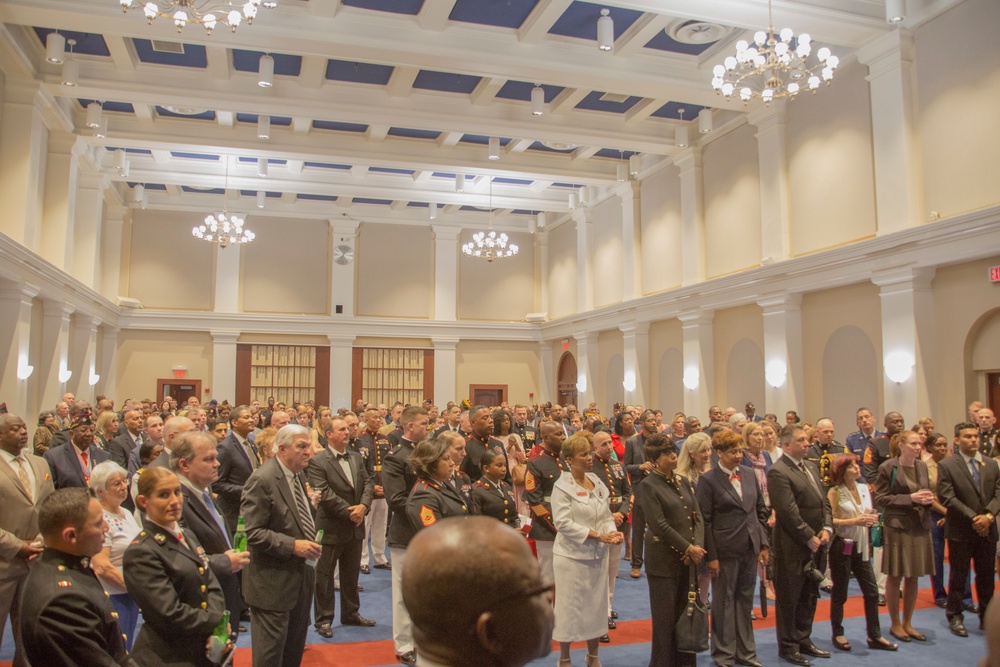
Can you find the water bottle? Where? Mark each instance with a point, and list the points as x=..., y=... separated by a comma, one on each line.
x=240, y=538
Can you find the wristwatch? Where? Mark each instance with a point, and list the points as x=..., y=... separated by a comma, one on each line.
x=989, y=515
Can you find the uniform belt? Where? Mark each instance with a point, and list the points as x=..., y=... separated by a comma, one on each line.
x=378, y=468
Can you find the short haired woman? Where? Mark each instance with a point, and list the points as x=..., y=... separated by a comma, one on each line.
x=434, y=497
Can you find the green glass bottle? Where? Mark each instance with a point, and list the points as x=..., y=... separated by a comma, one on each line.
x=221, y=631
x=240, y=538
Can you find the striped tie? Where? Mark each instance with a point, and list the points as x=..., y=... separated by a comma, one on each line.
x=304, y=514
x=22, y=472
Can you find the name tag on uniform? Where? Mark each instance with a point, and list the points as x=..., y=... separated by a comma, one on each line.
x=581, y=494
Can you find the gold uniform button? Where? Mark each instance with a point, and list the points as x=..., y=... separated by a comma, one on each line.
x=201, y=570
x=204, y=605
x=114, y=614
x=61, y=568
x=505, y=502
x=203, y=588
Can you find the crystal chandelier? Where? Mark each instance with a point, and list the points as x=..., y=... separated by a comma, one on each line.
x=223, y=229
x=489, y=245
x=208, y=13
x=776, y=65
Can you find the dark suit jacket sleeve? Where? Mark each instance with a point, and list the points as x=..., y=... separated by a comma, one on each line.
x=705, y=493
x=368, y=482
x=786, y=509
x=763, y=516
x=946, y=490
x=885, y=496
x=626, y=497
x=656, y=519
x=633, y=459
x=69, y=628
x=394, y=483
x=151, y=588
x=993, y=502
x=332, y=504
x=223, y=487
x=258, y=497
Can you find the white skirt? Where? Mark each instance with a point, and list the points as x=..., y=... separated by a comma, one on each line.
x=581, y=611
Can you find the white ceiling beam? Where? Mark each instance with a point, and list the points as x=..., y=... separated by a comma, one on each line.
x=567, y=100
x=143, y=112
x=220, y=66
x=398, y=204
x=161, y=156
x=449, y=139
x=541, y=19
x=643, y=109
x=540, y=186
x=585, y=152
x=434, y=15
x=401, y=81
x=122, y=52
x=486, y=90
x=173, y=190
x=301, y=125
x=377, y=132
x=518, y=145
x=225, y=118
x=295, y=166
x=422, y=177
x=639, y=34
x=344, y=202
x=358, y=172
x=313, y=71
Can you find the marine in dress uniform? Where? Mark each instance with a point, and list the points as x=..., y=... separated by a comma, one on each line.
x=540, y=477
x=475, y=447
x=67, y=616
x=822, y=456
x=529, y=436
x=613, y=475
x=431, y=501
x=495, y=500
x=374, y=447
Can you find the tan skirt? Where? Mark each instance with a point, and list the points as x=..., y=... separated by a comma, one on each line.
x=907, y=553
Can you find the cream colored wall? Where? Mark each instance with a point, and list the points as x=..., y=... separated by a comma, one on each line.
x=169, y=268
x=607, y=385
x=395, y=276
x=607, y=253
x=661, y=231
x=146, y=356
x=958, y=94
x=830, y=174
x=562, y=270
x=501, y=290
x=287, y=269
x=732, y=203
x=666, y=366
x=509, y=363
x=738, y=335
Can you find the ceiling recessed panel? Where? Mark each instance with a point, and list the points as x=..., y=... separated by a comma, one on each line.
x=118, y=107
x=614, y=153
x=521, y=90
x=86, y=43
x=340, y=127
x=283, y=121
x=199, y=115
x=390, y=170
x=663, y=42
x=193, y=156
x=673, y=110
x=446, y=82
x=192, y=55
x=368, y=200
x=594, y=102
x=481, y=139
x=413, y=133
x=580, y=21
x=253, y=193
x=411, y=7
x=203, y=191
x=326, y=165
x=346, y=70
x=249, y=61
x=505, y=14
x=309, y=197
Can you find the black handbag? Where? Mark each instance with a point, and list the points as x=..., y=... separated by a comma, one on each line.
x=691, y=631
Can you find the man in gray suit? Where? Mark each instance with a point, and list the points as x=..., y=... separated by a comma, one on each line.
x=25, y=482
x=281, y=532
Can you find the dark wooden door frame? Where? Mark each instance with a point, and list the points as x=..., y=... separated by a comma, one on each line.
x=164, y=382
x=502, y=388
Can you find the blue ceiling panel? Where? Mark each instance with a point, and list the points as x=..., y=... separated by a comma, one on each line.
x=249, y=61
x=283, y=121
x=614, y=153
x=132, y=151
x=193, y=156
x=345, y=70
x=200, y=191
x=411, y=7
x=193, y=56
x=149, y=186
x=418, y=204
x=512, y=181
x=389, y=170
x=341, y=127
x=521, y=90
x=580, y=21
x=413, y=133
x=539, y=146
x=481, y=139
x=317, y=197
x=368, y=200
x=86, y=43
x=664, y=42
x=593, y=102
x=447, y=82
x=521, y=211
x=508, y=14
x=269, y=161
x=672, y=110
x=566, y=185
x=324, y=165
x=205, y=115
x=118, y=107
x=253, y=193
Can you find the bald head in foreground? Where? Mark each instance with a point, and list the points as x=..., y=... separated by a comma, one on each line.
x=475, y=595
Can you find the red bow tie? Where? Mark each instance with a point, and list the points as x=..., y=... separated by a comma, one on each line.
x=735, y=475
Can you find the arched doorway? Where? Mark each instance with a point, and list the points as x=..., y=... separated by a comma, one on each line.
x=567, y=379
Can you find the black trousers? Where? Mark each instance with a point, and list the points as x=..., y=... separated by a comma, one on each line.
x=981, y=551
x=348, y=556
x=667, y=599
x=841, y=569
x=795, y=604
x=279, y=637
x=638, y=534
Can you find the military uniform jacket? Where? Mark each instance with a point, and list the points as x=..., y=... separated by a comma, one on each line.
x=876, y=453
x=431, y=501
x=66, y=617
x=614, y=477
x=475, y=447
x=180, y=598
x=857, y=442
x=377, y=447
x=823, y=457
x=673, y=523
x=529, y=436
x=398, y=479
x=540, y=477
x=495, y=500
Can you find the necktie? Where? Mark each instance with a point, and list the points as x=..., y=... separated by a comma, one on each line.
x=975, y=473
x=250, y=454
x=86, y=466
x=304, y=514
x=812, y=482
x=22, y=472
x=210, y=504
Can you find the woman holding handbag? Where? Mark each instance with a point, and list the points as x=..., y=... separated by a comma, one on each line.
x=675, y=538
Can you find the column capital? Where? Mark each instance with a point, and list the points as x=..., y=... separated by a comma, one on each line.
x=344, y=227
x=223, y=337
x=887, y=52
x=22, y=291
x=110, y=331
x=766, y=118
x=341, y=341
x=446, y=232
x=85, y=323
x=782, y=301
x=92, y=181
x=582, y=216
x=634, y=328
x=60, y=309
x=688, y=159
x=903, y=279
x=445, y=343
x=628, y=189
x=586, y=338
x=698, y=317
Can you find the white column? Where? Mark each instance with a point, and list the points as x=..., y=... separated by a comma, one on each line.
x=895, y=138
x=784, y=365
x=546, y=372
x=445, y=370
x=54, y=357
x=224, y=365
x=699, y=365
x=584, y=219
x=772, y=158
x=87, y=227
x=341, y=367
x=23, y=139
x=445, y=272
x=59, y=204
x=111, y=250
x=83, y=355
x=692, y=216
x=907, y=340
x=345, y=232
x=15, y=347
x=587, y=359
x=108, y=366
x=628, y=196
x=542, y=270
x=636, y=353
x=227, y=286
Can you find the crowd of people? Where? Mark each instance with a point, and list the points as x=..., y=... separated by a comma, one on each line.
x=209, y=521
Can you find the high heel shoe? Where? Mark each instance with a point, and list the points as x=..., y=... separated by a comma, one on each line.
x=565, y=662
x=592, y=661
x=841, y=645
x=882, y=644
x=920, y=637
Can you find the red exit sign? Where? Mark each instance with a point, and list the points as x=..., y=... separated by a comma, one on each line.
x=995, y=274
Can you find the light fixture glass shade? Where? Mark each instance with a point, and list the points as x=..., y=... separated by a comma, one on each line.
x=223, y=230
x=120, y=159
x=93, y=379
x=262, y=167
x=261, y=198
x=263, y=127
x=537, y=101
x=775, y=373
x=605, y=31
x=899, y=366
x=634, y=165
x=681, y=137
x=691, y=378
x=24, y=369
x=94, y=115
x=432, y=211
x=621, y=172
x=895, y=11
x=102, y=130
x=265, y=78
x=541, y=219
x=494, y=148
x=70, y=73
x=55, y=48
x=207, y=13
x=64, y=375
x=705, y=121
x=459, y=182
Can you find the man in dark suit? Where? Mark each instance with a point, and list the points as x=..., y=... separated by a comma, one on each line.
x=121, y=446
x=71, y=463
x=735, y=516
x=237, y=461
x=638, y=468
x=802, y=528
x=338, y=474
x=452, y=420
x=281, y=531
x=969, y=487
x=194, y=460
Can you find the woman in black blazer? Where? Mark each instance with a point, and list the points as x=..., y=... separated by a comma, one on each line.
x=674, y=544
x=902, y=489
x=437, y=493
x=166, y=572
x=491, y=496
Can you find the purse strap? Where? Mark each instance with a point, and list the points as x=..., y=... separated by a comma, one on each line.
x=892, y=483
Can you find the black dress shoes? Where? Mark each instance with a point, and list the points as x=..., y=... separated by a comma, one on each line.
x=384, y=566
x=972, y=608
x=325, y=630
x=749, y=663
x=957, y=627
x=605, y=639
x=408, y=658
x=611, y=624
x=795, y=659
x=365, y=569
x=357, y=619
x=361, y=589
x=813, y=650
x=614, y=614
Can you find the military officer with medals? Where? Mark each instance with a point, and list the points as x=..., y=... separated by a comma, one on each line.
x=434, y=496
x=877, y=451
x=613, y=474
x=480, y=440
x=491, y=496
x=373, y=447
x=528, y=433
x=824, y=449
x=540, y=477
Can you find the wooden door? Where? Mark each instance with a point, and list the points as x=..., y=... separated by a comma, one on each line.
x=490, y=395
x=181, y=390
x=993, y=392
x=567, y=379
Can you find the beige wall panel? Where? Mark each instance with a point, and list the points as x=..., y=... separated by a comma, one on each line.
x=661, y=231
x=401, y=343
x=738, y=335
x=831, y=175
x=732, y=203
x=666, y=366
x=287, y=269
x=169, y=268
x=608, y=387
x=395, y=276
x=497, y=362
x=146, y=356
x=562, y=271
x=499, y=290
x=607, y=253
x=958, y=94
x=281, y=339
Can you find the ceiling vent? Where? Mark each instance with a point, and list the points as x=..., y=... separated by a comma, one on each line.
x=695, y=32
x=168, y=47
x=614, y=97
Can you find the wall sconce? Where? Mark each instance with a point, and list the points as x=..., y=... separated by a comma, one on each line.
x=581, y=383
x=899, y=366
x=94, y=378
x=776, y=372
x=629, y=382
x=65, y=375
x=691, y=378
x=24, y=370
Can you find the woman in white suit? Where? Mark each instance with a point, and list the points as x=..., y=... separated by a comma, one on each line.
x=582, y=515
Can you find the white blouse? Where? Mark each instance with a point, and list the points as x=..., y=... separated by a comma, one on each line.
x=122, y=529
x=577, y=511
x=848, y=508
